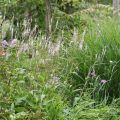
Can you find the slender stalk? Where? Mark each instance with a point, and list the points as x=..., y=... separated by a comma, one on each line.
x=48, y=19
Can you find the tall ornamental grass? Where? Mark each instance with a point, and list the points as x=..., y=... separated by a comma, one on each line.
x=94, y=67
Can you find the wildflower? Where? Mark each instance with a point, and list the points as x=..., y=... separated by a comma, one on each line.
x=24, y=47
x=13, y=43
x=4, y=44
x=103, y=81
x=93, y=74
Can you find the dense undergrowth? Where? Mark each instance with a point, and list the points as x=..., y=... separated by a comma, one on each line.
x=74, y=78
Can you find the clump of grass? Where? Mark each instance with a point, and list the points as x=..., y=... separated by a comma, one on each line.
x=85, y=69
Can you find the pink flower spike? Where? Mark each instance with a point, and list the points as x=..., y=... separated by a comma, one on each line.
x=24, y=47
x=13, y=43
x=103, y=81
x=4, y=44
x=93, y=74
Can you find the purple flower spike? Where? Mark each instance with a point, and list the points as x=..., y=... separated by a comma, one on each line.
x=93, y=74
x=24, y=47
x=4, y=44
x=13, y=43
x=103, y=81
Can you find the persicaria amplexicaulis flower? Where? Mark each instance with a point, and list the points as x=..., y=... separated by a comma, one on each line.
x=24, y=47
x=4, y=44
x=13, y=43
x=103, y=81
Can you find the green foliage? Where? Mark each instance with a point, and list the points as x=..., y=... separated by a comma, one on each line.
x=99, y=56
x=81, y=82
x=27, y=91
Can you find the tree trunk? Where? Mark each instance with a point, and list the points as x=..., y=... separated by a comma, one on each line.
x=116, y=4
x=48, y=19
